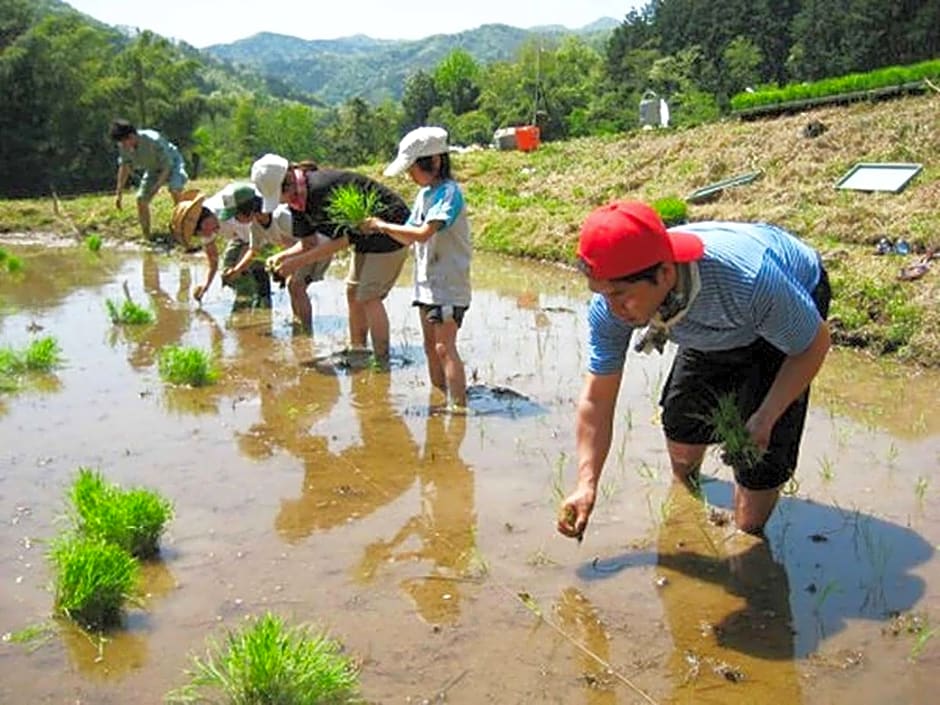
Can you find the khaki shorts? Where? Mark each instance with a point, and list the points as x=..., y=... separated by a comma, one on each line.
x=373, y=274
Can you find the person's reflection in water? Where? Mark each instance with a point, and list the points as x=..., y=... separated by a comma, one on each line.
x=361, y=478
x=579, y=620
x=727, y=606
x=292, y=398
x=443, y=533
x=173, y=317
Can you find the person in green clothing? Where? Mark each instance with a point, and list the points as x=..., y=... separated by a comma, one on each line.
x=157, y=157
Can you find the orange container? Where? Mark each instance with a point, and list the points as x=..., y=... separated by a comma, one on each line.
x=527, y=137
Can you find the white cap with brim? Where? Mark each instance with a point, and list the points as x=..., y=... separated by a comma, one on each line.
x=420, y=142
x=267, y=174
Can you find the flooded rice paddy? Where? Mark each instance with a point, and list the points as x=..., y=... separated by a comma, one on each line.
x=424, y=541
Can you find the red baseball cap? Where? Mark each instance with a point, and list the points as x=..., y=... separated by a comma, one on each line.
x=626, y=237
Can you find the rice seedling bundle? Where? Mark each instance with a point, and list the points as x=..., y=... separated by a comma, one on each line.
x=268, y=661
x=184, y=365
x=93, y=580
x=738, y=448
x=133, y=519
x=349, y=205
x=128, y=313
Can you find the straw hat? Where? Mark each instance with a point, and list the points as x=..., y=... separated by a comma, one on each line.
x=186, y=214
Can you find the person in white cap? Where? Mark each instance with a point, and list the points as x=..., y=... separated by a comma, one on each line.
x=440, y=232
x=273, y=176
x=376, y=262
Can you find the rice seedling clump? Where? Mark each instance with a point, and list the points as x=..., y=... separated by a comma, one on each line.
x=93, y=243
x=730, y=431
x=349, y=205
x=184, y=365
x=93, y=580
x=133, y=519
x=41, y=355
x=128, y=313
x=268, y=661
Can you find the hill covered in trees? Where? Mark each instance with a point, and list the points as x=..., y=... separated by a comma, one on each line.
x=336, y=70
x=64, y=76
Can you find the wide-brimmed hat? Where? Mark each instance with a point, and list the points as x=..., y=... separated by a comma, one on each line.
x=420, y=142
x=186, y=214
x=626, y=237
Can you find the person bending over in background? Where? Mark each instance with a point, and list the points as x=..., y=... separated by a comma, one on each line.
x=440, y=232
x=160, y=161
x=747, y=305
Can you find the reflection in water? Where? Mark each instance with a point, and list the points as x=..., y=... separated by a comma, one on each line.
x=173, y=316
x=104, y=657
x=579, y=619
x=443, y=533
x=880, y=393
x=728, y=611
x=737, y=625
x=361, y=478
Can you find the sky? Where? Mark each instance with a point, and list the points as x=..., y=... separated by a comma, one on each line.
x=205, y=22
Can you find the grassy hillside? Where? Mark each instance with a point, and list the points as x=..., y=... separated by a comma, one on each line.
x=532, y=204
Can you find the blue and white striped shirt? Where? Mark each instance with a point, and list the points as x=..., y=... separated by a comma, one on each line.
x=756, y=282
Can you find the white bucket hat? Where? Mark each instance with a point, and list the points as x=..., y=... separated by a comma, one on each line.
x=267, y=174
x=420, y=142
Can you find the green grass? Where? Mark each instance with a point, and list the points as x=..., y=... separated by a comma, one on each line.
x=349, y=205
x=738, y=448
x=184, y=365
x=93, y=580
x=269, y=662
x=128, y=313
x=672, y=210
x=133, y=519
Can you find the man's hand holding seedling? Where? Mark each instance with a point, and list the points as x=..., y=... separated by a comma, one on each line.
x=575, y=510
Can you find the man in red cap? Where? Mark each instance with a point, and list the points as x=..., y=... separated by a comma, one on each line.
x=745, y=302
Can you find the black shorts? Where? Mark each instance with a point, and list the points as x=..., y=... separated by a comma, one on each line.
x=697, y=379
x=438, y=314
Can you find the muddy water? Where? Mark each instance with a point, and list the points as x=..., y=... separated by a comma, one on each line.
x=424, y=541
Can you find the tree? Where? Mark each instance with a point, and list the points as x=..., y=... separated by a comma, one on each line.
x=455, y=80
x=742, y=60
x=418, y=99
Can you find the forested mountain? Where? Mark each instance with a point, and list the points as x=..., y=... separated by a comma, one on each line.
x=376, y=69
x=64, y=76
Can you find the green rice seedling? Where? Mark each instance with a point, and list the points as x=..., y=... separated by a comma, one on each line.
x=128, y=313
x=738, y=448
x=133, y=519
x=826, y=471
x=93, y=580
x=10, y=263
x=42, y=355
x=185, y=365
x=268, y=661
x=349, y=205
x=33, y=636
x=920, y=488
x=93, y=243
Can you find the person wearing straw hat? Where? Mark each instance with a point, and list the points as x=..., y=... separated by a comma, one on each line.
x=747, y=305
x=160, y=161
x=199, y=222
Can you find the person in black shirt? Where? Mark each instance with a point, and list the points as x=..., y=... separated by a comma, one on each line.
x=377, y=259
